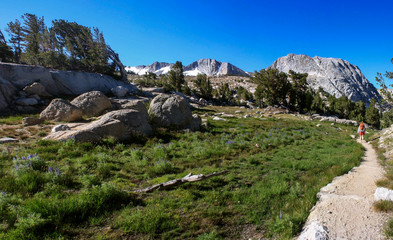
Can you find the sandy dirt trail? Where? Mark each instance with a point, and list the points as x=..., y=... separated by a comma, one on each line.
x=345, y=206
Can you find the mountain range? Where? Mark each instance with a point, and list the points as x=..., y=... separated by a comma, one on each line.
x=336, y=76
x=210, y=67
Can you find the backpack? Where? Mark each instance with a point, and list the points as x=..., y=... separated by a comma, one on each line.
x=361, y=126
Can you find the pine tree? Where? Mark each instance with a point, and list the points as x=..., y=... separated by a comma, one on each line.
x=225, y=93
x=298, y=91
x=318, y=104
x=204, y=86
x=5, y=51
x=273, y=86
x=372, y=115
x=358, y=112
x=32, y=33
x=14, y=29
x=176, y=77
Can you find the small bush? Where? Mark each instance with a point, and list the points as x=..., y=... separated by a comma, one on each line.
x=383, y=206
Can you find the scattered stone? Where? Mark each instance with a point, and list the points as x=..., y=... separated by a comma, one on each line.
x=92, y=103
x=26, y=101
x=8, y=140
x=383, y=194
x=30, y=121
x=61, y=110
x=219, y=119
x=202, y=101
x=238, y=112
x=247, y=116
x=119, y=91
x=228, y=115
x=314, y=231
x=60, y=127
x=36, y=89
x=318, y=125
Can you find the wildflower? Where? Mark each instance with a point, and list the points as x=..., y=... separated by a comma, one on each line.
x=229, y=142
x=16, y=167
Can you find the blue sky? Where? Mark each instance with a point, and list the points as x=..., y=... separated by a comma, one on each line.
x=248, y=34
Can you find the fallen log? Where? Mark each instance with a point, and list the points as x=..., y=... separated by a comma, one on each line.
x=176, y=182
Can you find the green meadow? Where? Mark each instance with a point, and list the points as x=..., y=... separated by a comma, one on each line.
x=276, y=166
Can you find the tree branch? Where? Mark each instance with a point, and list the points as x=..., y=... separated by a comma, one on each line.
x=176, y=182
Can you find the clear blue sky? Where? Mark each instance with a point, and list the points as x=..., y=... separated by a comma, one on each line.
x=248, y=34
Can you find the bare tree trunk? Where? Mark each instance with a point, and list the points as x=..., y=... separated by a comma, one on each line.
x=188, y=178
x=115, y=58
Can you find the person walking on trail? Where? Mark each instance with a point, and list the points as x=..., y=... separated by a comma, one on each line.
x=362, y=131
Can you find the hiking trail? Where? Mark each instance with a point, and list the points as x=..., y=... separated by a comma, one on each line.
x=345, y=206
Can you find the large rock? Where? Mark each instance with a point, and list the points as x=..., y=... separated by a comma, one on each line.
x=26, y=101
x=336, y=76
x=171, y=111
x=7, y=91
x=77, y=136
x=92, y=103
x=121, y=125
x=136, y=104
x=37, y=89
x=61, y=110
x=119, y=91
x=59, y=83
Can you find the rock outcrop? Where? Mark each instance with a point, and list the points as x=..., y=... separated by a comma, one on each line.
x=61, y=110
x=7, y=91
x=172, y=111
x=336, y=76
x=92, y=103
x=43, y=82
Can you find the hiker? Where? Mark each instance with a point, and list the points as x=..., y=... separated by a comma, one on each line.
x=362, y=131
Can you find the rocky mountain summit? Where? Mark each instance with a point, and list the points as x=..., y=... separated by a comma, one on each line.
x=336, y=76
x=210, y=67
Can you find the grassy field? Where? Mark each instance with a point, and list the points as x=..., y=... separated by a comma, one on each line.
x=276, y=166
